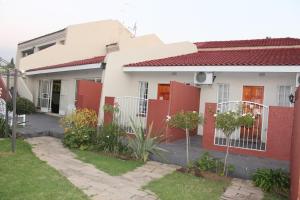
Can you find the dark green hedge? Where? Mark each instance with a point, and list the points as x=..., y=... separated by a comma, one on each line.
x=24, y=106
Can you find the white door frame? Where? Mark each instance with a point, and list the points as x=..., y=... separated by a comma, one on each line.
x=45, y=95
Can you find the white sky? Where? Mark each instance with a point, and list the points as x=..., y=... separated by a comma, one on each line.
x=171, y=20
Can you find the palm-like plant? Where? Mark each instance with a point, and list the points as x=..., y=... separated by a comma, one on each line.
x=142, y=145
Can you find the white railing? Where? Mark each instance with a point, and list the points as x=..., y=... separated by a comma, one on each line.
x=255, y=137
x=131, y=108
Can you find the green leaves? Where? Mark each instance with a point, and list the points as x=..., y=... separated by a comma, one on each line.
x=272, y=180
x=209, y=163
x=229, y=121
x=142, y=145
x=185, y=120
x=24, y=106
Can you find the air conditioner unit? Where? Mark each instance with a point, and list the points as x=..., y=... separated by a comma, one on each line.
x=298, y=80
x=203, y=78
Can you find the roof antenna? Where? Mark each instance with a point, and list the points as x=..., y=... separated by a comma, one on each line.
x=133, y=29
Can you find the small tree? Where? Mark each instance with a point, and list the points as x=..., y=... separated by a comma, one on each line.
x=228, y=122
x=187, y=121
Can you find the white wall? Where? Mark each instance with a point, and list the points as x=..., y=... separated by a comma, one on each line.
x=236, y=81
x=68, y=84
x=118, y=83
x=82, y=41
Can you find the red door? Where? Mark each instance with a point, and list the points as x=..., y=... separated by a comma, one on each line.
x=253, y=94
x=88, y=94
x=163, y=92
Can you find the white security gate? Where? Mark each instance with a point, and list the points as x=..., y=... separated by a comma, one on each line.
x=131, y=108
x=45, y=93
x=255, y=137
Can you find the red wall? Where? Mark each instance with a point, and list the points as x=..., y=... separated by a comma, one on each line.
x=182, y=98
x=157, y=112
x=4, y=91
x=88, y=94
x=278, y=137
x=295, y=152
x=108, y=117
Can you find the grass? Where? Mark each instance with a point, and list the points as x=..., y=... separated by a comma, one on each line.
x=178, y=186
x=24, y=176
x=109, y=164
x=272, y=196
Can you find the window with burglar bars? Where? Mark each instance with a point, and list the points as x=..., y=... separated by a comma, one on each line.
x=223, y=93
x=143, y=94
x=283, y=95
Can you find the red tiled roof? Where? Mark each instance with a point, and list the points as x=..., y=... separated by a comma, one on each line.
x=275, y=56
x=93, y=60
x=249, y=43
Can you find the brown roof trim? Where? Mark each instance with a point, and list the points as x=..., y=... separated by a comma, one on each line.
x=41, y=36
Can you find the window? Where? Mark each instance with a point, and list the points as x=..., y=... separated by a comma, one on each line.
x=45, y=46
x=27, y=52
x=283, y=95
x=143, y=94
x=223, y=96
x=223, y=92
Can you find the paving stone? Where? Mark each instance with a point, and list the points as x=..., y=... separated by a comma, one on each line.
x=97, y=184
x=242, y=190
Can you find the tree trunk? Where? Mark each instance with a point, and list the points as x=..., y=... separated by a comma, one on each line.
x=226, y=156
x=187, y=146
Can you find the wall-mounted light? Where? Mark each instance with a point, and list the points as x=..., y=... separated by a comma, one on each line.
x=103, y=65
x=292, y=98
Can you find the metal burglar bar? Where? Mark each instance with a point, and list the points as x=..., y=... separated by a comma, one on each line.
x=134, y=108
x=255, y=137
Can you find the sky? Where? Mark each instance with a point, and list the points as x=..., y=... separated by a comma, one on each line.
x=171, y=20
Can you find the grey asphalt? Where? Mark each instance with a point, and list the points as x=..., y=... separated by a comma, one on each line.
x=244, y=165
x=45, y=125
x=40, y=124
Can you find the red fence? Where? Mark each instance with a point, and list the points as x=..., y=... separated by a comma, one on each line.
x=108, y=117
x=4, y=90
x=88, y=94
x=157, y=112
x=182, y=98
x=295, y=152
x=278, y=137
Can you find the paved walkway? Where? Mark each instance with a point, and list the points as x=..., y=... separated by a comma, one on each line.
x=93, y=182
x=242, y=190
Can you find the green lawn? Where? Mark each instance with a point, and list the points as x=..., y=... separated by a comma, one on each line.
x=24, y=176
x=178, y=186
x=106, y=163
x=271, y=196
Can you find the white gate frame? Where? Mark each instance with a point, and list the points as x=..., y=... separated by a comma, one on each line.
x=259, y=110
x=131, y=108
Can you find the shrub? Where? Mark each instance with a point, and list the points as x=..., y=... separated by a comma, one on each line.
x=24, y=106
x=142, y=145
x=3, y=128
x=79, y=138
x=272, y=180
x=110, y=138
x=209, y=163
x=79, y=128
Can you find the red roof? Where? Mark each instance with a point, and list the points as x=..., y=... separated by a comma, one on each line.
x=274, y=56
x=250, y=43
x=93, y=60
